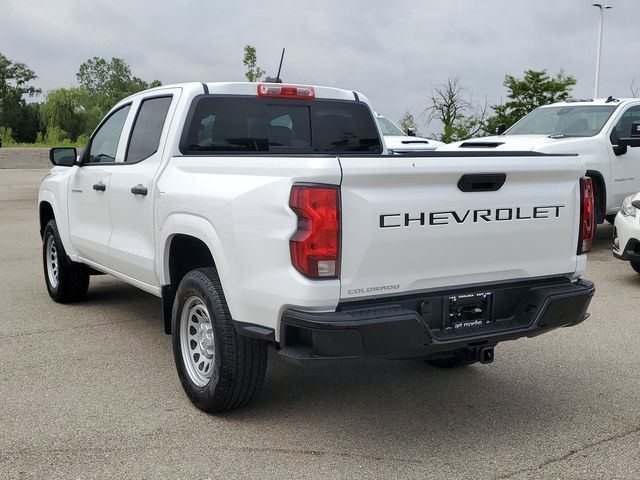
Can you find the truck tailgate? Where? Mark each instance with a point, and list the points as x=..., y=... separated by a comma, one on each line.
x=408, y=226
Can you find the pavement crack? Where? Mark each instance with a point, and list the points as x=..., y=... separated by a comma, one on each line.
x=75, y=327
x=571, y=453
x=322, y=453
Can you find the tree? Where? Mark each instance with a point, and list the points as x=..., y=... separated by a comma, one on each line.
x=106, y=83
x=459, y=115
x=407, y=121
x=635, y=91
x=535, y=89
x=254, y=72
x=65, y=110
x=15, y=114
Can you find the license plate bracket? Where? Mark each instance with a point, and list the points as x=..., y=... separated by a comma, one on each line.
x=468, y=311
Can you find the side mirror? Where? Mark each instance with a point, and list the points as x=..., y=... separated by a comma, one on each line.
x=500, y=129
x=636, y=203
x=63, y=157
x=411, y=132
x=633, y=140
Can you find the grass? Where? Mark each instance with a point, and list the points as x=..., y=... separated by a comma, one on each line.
x=41, y=145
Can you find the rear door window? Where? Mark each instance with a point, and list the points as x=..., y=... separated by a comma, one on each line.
x=147, y=128
x=219, y=124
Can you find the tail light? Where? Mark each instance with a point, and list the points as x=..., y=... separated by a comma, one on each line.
x=279, y=90
x=315, y=247
x=587, y=216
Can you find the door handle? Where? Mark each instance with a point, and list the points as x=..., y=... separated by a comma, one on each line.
x=139, y=190
x=482, y=182
x=100, y=187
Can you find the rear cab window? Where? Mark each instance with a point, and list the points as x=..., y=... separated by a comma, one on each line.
x=239, y=124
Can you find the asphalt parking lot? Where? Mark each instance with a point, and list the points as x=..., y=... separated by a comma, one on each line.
x=90, y=391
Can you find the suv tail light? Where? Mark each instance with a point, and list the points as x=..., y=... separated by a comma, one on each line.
x=315, y=247
x=587, y=216
x=279, y=90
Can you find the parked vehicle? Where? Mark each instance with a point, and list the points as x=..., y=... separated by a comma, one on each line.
x=272, y=215
x=626, y=233
x=399, y=142
x=594, y=129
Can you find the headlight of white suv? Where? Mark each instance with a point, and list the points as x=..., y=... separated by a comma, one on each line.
x=627, y=209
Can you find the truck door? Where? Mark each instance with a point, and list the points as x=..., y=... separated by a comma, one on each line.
x=89, y=214
x=133, y=191
x=625, y=168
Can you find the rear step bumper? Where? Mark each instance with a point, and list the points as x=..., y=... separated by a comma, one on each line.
x=416, y=325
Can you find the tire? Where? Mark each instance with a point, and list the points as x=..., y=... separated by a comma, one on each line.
x=66, y=281
x=455, y=359
x=635, y=266
x=610, y=218
x=219, y=369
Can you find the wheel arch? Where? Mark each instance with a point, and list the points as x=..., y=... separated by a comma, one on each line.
x=600, y=192
x=189, y=242
x=46, y=214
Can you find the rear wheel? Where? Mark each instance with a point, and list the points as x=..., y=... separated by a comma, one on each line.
x=66, y=281
x=635, y=266
x=455, y=359
x=219, y=369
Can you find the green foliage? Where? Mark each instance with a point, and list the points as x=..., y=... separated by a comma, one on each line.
x=105, y=83
x=407, y=121
x=15, y=83
x=535, y=89
x=65, y=110
x=56, y=136
x=6, y=135
x=69, y=115
x=254, y=72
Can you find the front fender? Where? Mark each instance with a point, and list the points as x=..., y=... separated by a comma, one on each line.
x=53, y=191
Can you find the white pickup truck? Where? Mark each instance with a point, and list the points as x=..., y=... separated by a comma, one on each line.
x=272, y=215
x=598, y=130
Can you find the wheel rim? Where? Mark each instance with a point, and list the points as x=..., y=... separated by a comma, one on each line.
x=52, y=261
x=197, y=341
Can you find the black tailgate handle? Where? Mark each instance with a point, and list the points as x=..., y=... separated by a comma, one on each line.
x=481, y=182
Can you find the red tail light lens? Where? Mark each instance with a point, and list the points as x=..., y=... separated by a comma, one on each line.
x=278, y=90
x=315, y=247
x=587, y=216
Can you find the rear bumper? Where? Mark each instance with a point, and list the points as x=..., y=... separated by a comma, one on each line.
x=416, y=325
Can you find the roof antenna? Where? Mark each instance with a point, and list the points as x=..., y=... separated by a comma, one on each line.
x=277, y=79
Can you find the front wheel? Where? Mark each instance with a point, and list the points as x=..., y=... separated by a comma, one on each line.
x=610, y=218
x=635, y=266
x=219, y=369
x=66, y=281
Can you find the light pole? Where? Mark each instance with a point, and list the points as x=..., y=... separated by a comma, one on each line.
x=602, y=8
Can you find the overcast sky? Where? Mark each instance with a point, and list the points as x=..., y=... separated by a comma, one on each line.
x=393, y=51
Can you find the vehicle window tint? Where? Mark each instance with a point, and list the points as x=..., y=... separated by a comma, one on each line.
x=623, y=127
x=236, y=124
x=145, y=136
x=576, y=121
x=344, y=127
x=104, y=143
x=289, y=125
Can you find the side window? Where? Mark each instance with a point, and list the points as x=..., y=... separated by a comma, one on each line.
x=104, y=143
x=147, y=128
x=623, y=127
